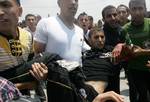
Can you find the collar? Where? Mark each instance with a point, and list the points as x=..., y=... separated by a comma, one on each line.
x=10, y=36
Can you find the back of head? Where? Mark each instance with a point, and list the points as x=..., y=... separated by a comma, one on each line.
x=142, y=2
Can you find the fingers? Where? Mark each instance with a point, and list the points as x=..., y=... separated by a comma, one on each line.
x=116, y=97
x=117, y=50
x=43, y=66
x=109, y=96
x=148, y=64
x=39, y=71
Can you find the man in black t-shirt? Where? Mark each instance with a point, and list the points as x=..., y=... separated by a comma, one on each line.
x=97, y=64
x=113, y=35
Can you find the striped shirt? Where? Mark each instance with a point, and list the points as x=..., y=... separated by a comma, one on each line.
x=14, y=52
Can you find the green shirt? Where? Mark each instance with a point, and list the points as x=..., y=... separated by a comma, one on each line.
x=138, y=36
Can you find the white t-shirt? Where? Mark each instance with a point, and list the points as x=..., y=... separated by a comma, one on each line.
x=28, y=29
x=59, y=39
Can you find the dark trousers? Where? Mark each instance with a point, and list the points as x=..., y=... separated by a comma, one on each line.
x=141, y=81
x=133, y=93
x=114, y=81
x=64, y=86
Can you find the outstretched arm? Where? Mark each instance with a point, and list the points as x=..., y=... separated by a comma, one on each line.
x=140, y=51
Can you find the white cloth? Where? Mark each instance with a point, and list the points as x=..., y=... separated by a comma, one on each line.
x=69, y=65
x=59, y=39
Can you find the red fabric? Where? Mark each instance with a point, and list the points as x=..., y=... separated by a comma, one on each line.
x=121, y=52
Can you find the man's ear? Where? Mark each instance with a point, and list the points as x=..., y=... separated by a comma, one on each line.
x=20, y=10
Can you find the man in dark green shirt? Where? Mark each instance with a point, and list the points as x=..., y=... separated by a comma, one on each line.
x=139, y=33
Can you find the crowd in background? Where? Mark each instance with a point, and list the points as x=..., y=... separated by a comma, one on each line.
x=120, y=40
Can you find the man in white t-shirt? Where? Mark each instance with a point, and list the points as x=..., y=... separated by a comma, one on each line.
x=30, y=20
x=55, y=37
x=61, y=36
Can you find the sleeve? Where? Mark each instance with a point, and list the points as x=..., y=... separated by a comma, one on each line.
x=41, y=32
x=85, y=46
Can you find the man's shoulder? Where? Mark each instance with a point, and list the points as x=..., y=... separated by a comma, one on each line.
x=79, y=30
x=77, y=27
x=48, y=20
x=24, y=32
x=48, y=23
x=147, y=19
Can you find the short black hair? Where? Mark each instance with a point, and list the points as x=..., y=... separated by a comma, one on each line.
x=29, y=15
x=136, y=1
x=18, y=1
x=107, y=8
x=122, y=5
x=82, y=14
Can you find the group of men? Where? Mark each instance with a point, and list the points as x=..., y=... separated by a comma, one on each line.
x=16, y=42
x=59, y=35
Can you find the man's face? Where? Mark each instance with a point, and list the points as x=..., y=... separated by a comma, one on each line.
x=83, y=22
x=111, y=17
x=97, y=40
x=90, y=23
x=68, y=7
x=9, y=14
x=122, y=13
x=31, y=21
x=137, y=13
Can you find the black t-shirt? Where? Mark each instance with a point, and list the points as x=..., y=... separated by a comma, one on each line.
x=97, y=64
x=113, y=36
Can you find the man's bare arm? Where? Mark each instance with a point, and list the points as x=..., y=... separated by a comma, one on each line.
x=140, y=51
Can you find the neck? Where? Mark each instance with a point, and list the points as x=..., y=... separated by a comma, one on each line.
x=68, y=21
x=85, y=31
x=11, y=34
x=32, y=29
x=123, y=22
